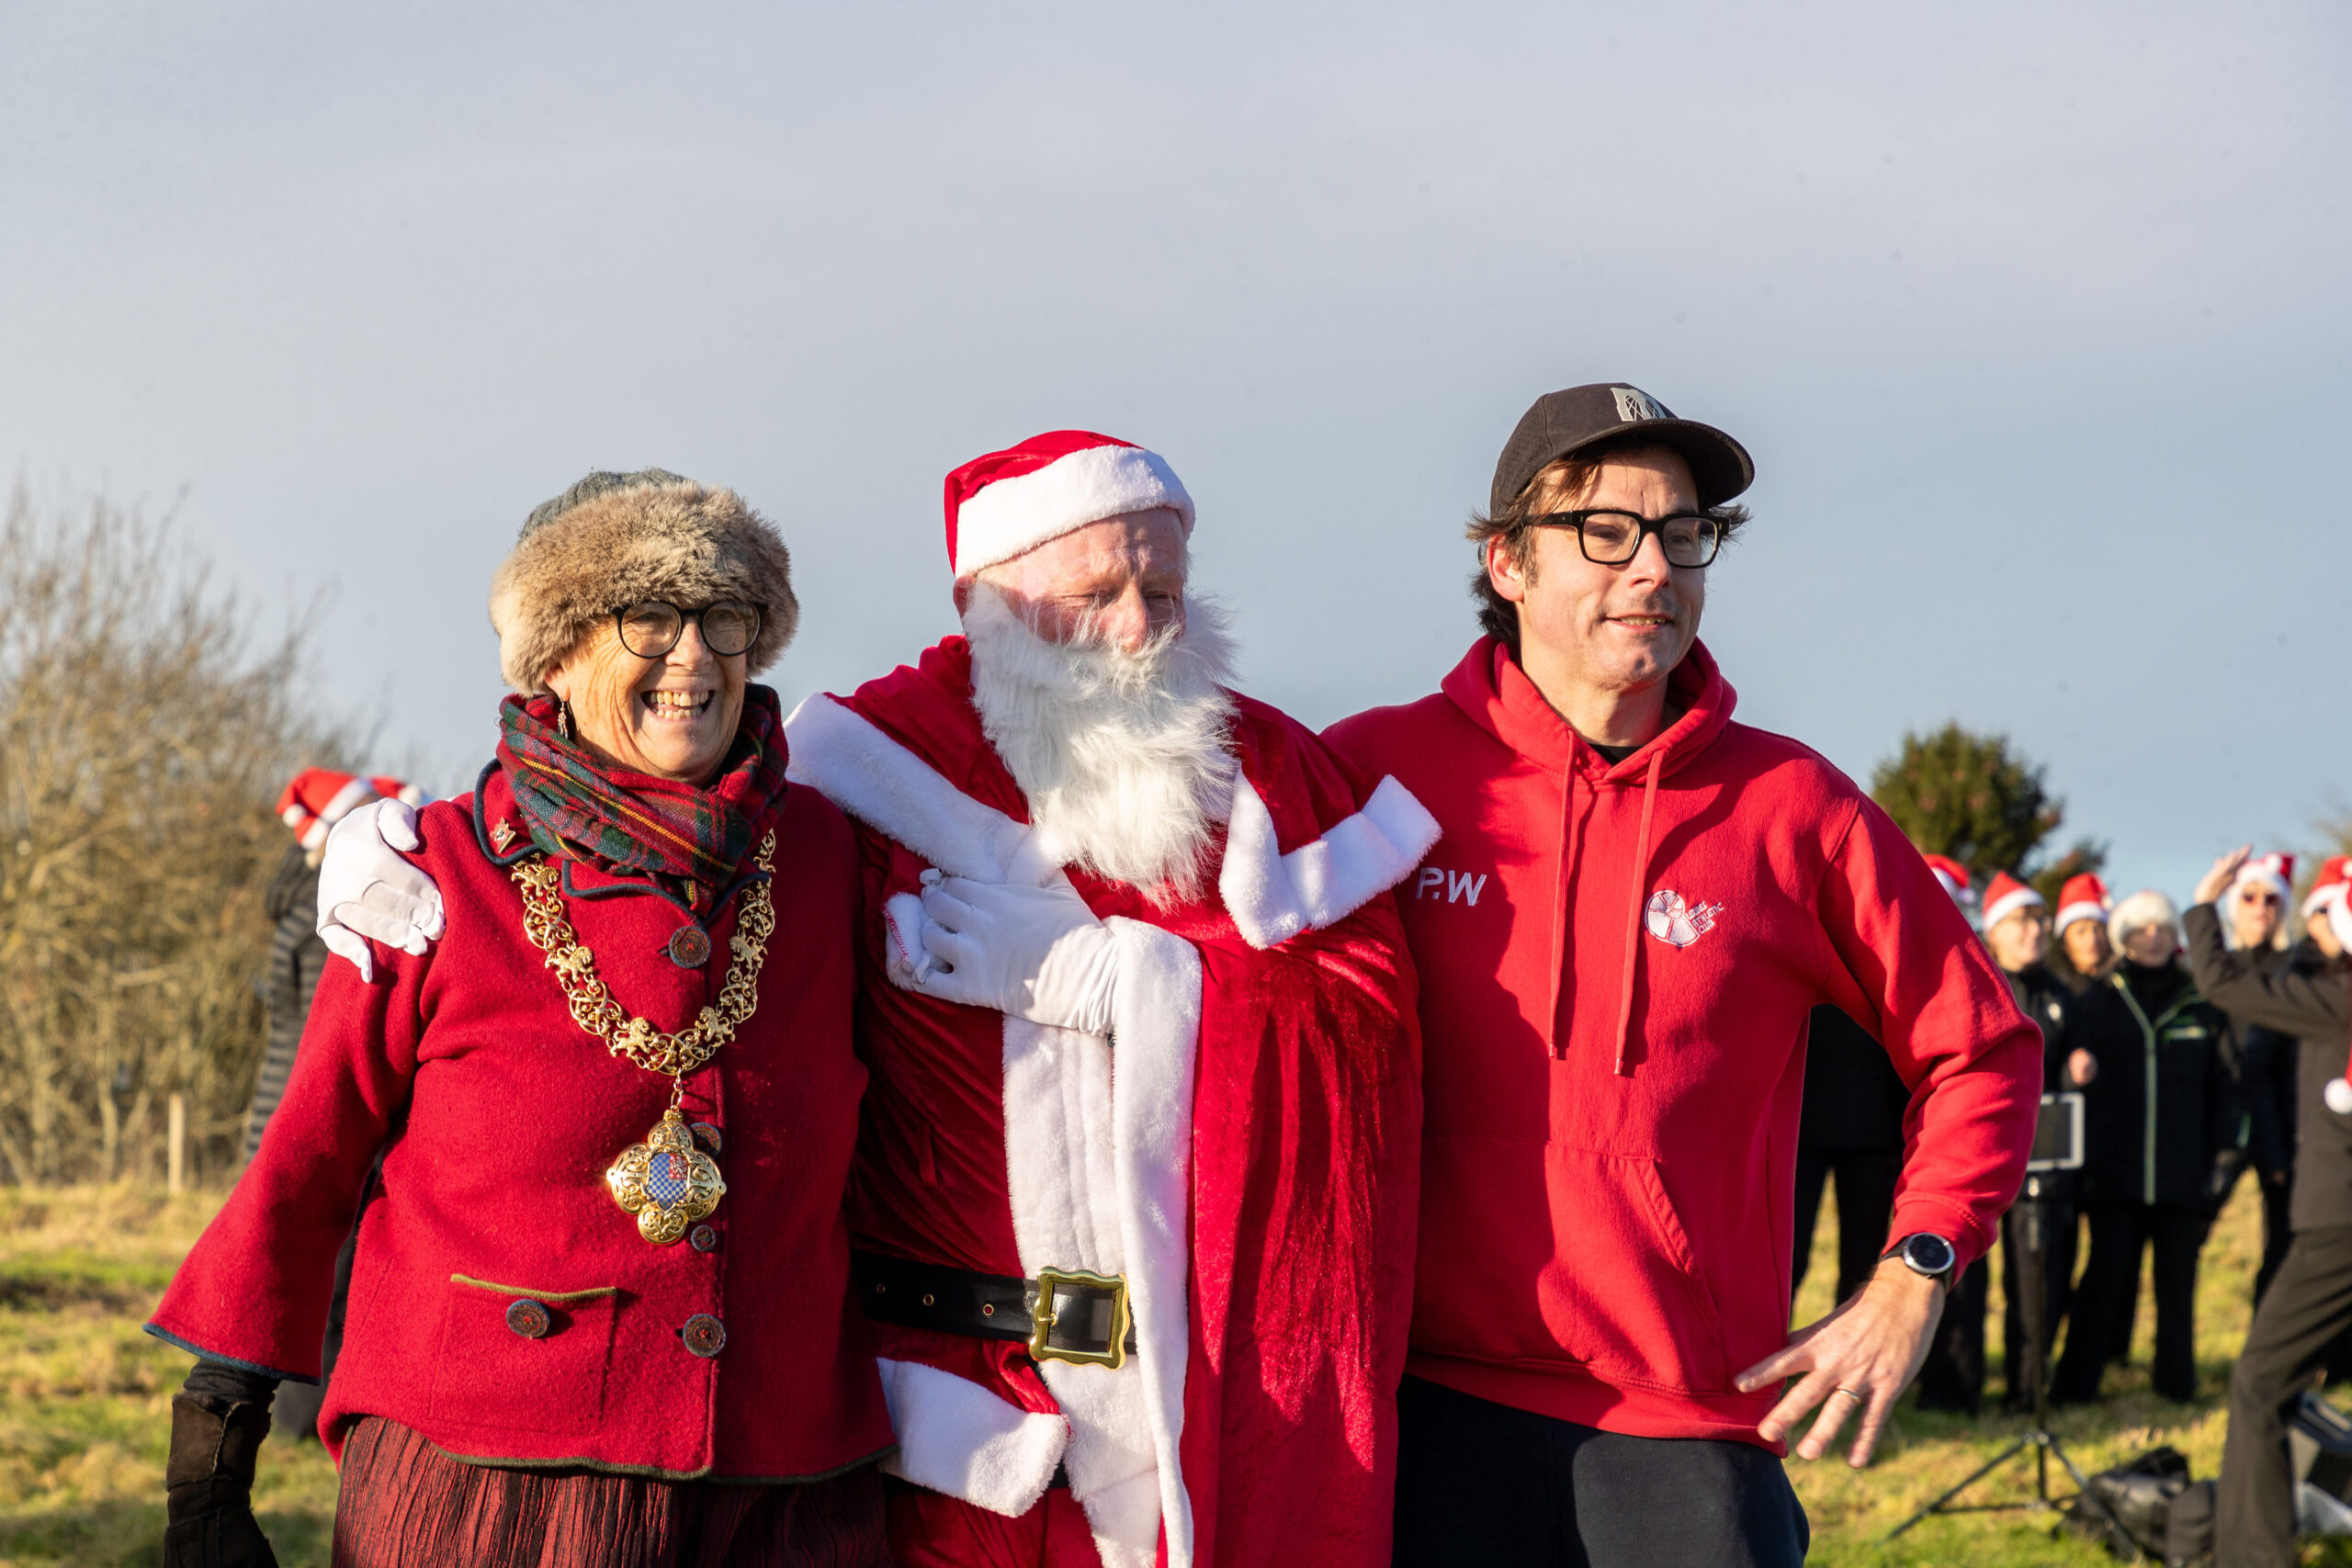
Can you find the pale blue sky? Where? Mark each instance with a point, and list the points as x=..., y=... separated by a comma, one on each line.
x=2035, y=318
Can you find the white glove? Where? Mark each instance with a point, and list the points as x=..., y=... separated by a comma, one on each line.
x=366, y=890
x=1034, y=952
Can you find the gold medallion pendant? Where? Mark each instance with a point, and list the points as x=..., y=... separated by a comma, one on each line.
x=665, y=1181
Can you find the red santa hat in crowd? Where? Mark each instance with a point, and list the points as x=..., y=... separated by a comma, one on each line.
x=1955, y=877
x=2083, y=898
x=2329, y=888
x=2276, y=872
x=1011, y=501
x=2005, y=895
x=318, y=799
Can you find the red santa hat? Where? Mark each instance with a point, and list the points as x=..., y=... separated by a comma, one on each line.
x=1011, y=501
x=2083, y=898
x=2335, y=878
x=1953, y=875
x=2005, y=895
x=318, y=799
x=2276, y=872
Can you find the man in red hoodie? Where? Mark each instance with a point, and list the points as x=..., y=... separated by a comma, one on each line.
x=1633, y=906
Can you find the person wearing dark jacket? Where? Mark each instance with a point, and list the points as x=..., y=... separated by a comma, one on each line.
x=2309, y=1304
x=2253, y=922
x=315, y=800
x=1852, y=1126
x=2161, y=1122
x=2017, y=928
x=2080, y=955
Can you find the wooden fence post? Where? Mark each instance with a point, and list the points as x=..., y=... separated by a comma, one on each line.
x=175, y=1155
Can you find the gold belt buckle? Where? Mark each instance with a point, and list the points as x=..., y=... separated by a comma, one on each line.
x=1042, y=1318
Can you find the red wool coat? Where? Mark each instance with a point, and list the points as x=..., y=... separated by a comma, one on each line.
x=1257, y=1186
x=502, y=1114
x=1617, y=963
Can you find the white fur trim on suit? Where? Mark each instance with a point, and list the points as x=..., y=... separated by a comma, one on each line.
x=873, y=778
x=955, y=1437
x=1017, y=514
x=1274, y=896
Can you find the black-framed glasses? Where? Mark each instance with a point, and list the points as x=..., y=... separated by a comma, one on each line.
x=652, y=629
x=1612, y=538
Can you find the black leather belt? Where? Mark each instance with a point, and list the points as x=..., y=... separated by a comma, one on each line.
x=1085, y=1316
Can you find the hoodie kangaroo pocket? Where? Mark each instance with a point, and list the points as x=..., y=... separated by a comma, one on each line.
x=1599, y=1271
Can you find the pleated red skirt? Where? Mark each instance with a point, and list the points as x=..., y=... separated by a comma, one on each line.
x=405, y=1504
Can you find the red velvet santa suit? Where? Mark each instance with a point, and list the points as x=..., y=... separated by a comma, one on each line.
x=1254, y=1175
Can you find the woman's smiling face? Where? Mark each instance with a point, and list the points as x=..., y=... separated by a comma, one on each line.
x=674, y=717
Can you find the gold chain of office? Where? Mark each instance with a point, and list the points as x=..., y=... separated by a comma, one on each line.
x=593, y=1007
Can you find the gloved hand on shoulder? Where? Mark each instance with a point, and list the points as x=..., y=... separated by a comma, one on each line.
x=1034, y=952
x=366, y=890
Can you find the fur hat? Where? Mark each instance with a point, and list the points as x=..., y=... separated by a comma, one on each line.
x=2146, y=908
x=614, y=539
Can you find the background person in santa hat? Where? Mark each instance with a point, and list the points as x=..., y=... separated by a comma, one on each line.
x=1635, y=909
x=2161, y=1130
x=2301, y=1320
x=315, y=800
x=2016, y=930
x=2083, y=955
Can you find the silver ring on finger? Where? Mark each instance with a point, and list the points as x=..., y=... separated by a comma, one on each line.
x=1853, y=1394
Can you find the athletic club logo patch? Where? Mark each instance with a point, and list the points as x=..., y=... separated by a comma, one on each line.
x=1676, y=923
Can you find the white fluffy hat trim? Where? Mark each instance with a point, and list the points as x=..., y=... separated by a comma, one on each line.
x=1008, y=517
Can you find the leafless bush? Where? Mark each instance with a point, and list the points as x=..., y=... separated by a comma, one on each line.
x=142, y=738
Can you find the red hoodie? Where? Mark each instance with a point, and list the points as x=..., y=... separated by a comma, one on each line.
x=1617, y=962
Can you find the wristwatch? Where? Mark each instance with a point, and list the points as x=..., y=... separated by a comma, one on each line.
x=1926, y=1253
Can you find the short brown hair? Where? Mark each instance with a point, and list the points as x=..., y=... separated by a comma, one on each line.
x=1511, y=529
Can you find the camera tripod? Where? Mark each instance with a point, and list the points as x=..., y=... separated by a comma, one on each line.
x=2032, y=1215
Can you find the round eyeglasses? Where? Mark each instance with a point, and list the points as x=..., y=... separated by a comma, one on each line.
x=652, y=629
x=1612, y=538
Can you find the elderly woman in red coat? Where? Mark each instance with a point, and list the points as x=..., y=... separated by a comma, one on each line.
x=600, y=1309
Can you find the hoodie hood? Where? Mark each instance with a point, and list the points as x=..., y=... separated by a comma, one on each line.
x=1495, y=693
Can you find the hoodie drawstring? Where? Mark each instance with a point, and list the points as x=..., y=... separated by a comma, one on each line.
x=1634, y=918
x=1553, y=1039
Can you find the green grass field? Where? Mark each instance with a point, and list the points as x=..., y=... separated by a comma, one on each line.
x=85, y=1406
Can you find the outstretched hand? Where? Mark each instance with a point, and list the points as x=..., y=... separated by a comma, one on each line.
x=1861, y=1357
x=2225, y=871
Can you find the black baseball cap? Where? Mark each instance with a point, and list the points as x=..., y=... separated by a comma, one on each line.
x=1560, y=425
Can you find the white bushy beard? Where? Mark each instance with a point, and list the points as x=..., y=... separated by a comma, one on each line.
x=1125, y=759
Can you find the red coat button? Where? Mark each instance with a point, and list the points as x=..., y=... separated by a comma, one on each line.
x=703, y=1334
x=703, y=1238
x=528, y=1318
x=689, y=947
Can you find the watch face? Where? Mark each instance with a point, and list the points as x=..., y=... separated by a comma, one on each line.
x=1929, y=1254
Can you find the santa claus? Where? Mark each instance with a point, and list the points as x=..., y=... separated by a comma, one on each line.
x=1135, y=1193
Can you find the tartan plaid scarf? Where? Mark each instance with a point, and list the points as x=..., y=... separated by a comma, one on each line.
x=694, y=839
